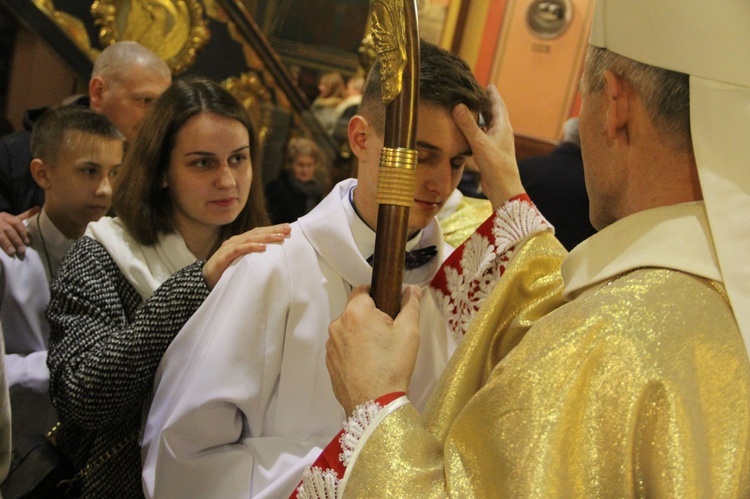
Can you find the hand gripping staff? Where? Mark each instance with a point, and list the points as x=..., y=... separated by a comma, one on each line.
x=395, y=32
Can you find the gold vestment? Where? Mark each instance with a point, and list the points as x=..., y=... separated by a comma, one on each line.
x=468, y=215
x=638, y=388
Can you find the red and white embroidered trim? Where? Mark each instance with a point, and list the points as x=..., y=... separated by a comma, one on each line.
x=323, y=478
x=318, y=483
x=355, y=426
x=468, y=276
x=515, y=221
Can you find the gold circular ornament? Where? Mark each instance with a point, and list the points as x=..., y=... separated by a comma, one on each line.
x=549, y=18
x=173, y=29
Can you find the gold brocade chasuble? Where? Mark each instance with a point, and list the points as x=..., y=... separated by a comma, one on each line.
x=594, y=402
x=467, y=216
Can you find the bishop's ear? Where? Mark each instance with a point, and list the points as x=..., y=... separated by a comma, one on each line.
x=619, y=94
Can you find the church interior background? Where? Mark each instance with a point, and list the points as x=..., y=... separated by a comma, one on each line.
x=271, y=52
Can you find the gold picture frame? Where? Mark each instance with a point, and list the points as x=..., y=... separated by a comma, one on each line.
x=173, y=29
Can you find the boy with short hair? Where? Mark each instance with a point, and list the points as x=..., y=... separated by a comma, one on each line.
x=76, y=152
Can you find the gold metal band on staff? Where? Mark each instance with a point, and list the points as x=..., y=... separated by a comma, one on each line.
x=397, y=177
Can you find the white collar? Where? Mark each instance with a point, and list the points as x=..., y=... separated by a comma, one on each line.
x=675, y=237
x=346, y=250
x=145, y=267
x=364, y=236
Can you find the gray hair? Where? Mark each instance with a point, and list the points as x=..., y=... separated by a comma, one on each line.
x=115, y=61
x=666, y=93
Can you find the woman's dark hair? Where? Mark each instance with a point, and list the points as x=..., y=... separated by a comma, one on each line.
x=139, y=198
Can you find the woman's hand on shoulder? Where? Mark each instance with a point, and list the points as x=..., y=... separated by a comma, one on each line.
x=252, y=241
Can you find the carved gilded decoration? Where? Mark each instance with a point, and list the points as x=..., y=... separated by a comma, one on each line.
x=251, y=91
x=389, y=36
x=71, y=25
x=175, y=30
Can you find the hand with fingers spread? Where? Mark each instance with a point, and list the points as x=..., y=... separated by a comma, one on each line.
x=252, y=241
x=493, y=150
x=368, y=354
x=14, y=236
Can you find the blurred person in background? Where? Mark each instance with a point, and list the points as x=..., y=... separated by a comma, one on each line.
x=299, y=187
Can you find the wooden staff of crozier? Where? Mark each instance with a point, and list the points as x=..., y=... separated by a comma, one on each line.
x=395, y=33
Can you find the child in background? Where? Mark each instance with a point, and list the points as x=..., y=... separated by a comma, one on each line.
x=76, y=152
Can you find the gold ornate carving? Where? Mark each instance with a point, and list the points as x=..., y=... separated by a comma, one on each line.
x=71, y=25
x=389, y=36
x=250, y=90
x=173, y=29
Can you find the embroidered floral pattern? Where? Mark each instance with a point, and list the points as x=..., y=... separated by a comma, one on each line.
x=318, y=483
x=515, y=221
x=323, y=478
x=468, y=286
x=466, y=283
